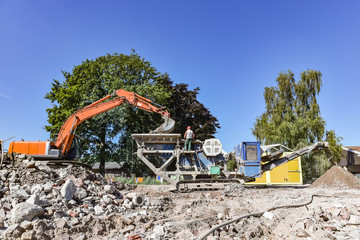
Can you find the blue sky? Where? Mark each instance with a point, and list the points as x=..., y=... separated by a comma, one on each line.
x=232, y=50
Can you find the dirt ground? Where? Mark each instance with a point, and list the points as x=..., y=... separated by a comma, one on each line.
x=41, y=202
x=333, y=213
x=189, y=215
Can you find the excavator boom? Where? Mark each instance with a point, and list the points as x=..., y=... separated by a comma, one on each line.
x=61, y=146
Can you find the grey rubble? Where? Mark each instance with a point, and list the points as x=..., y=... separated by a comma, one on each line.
x=42, y=202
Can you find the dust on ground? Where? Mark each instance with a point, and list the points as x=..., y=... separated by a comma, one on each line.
x=42, y=202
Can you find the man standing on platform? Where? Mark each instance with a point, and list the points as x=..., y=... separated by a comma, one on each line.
x=189, y=135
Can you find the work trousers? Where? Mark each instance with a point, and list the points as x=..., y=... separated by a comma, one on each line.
x=188, y=144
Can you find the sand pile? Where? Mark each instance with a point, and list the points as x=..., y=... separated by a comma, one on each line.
x=337, y=177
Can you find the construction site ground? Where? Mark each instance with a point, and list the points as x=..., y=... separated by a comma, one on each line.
x=39, y=201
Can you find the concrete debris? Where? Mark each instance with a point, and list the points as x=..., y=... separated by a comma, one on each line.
x=39, y=201
x=68, y=190
x=268, y=215
x=25, y=211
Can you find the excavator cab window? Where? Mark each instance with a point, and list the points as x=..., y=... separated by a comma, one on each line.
x=75, y=150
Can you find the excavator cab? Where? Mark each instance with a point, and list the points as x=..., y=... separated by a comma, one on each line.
x=75, y=150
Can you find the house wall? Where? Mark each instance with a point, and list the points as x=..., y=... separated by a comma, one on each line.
x=349, y=158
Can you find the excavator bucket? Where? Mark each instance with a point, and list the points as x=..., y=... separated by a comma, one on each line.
x=167, y=126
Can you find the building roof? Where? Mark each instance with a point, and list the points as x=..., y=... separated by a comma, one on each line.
x=109, y=165
x=354, y=148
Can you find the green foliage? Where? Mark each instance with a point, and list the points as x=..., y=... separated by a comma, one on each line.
x=334, y=146
x=93, y=80
x=292, y=118
x=186, y=110
x=107, y=136
x=231, y=165
x=126, y=180
x=151, y=181
x=147, y=181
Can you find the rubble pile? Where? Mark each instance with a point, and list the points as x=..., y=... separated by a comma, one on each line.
x=41, y=201
x=337, y=177
x=333, y=216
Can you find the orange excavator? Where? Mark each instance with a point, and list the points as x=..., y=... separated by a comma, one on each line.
x=60, y=149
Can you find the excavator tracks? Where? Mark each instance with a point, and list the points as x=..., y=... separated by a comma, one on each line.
x=64, y=163
x=206, y=184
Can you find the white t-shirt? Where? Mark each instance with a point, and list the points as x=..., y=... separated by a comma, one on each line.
x=189, y=134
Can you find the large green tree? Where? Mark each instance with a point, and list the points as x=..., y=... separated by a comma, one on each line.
x=107, y=136
x=188, y=111
x=292, y=118
x=93, y=80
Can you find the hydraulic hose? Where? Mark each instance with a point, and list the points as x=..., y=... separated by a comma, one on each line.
x=202, y=237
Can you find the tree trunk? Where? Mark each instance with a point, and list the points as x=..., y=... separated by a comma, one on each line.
x=102, y=151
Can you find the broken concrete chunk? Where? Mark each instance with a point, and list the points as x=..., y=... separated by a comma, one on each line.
x=36, y=189
x=80, y=193
x=26, y=225
x=6, y=206
x=107, y=199
x=29, y=163
x=268, y=215
x=60, y=182
x=131, y=195
x=77, y=181
x=302, y=234
x=14, y=231
x=109, y=189
x=25, y=211
x=48, y=187
x=45, y=169
x=344, y=214
x=330, y=228
x=21, y=194
x=29, y=235
x=62, y=173
x=354, y=220
x=159, y=231
x=3, y=174
x=68, y=190
x=61, y=223
x=98, y=210
x=34, y=199
x=81, y=237
x=2, y=213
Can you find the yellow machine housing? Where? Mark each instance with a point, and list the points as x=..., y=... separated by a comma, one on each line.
x=287, y=174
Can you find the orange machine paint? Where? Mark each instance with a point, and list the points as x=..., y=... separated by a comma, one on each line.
x=29, y=148
x=67, y=131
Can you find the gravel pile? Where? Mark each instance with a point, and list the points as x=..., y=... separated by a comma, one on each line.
x=39, y=201
x=337, y=177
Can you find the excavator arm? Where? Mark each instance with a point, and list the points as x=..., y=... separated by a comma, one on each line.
x=67, y=131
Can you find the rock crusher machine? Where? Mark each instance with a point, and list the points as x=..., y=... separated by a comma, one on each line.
x=205, y=167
